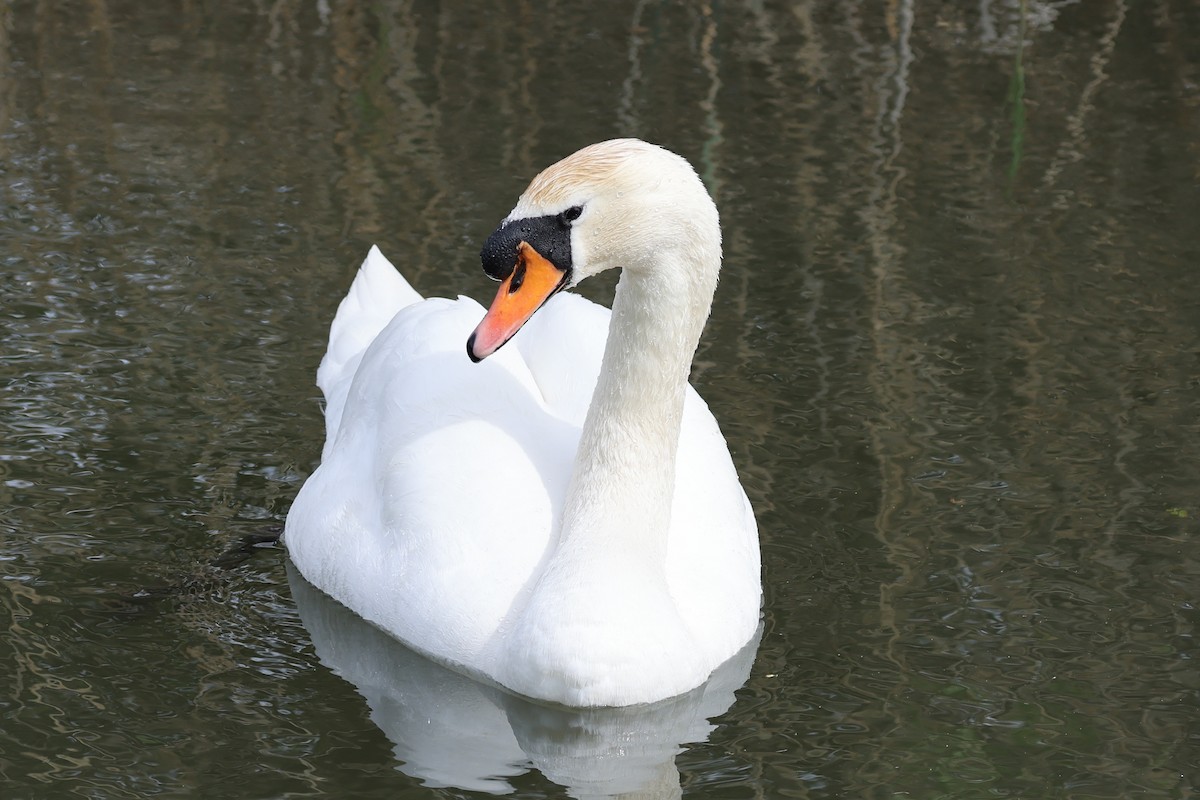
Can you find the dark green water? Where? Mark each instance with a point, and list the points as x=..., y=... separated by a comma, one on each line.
x=956, y=352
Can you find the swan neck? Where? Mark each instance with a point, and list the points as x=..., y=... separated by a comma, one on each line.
x=624, y=477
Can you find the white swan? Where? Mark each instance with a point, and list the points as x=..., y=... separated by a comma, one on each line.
x=564, y=518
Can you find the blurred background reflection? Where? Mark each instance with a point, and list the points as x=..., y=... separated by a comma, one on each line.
x=955, y=351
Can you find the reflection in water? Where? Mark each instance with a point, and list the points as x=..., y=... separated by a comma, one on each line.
x=449, y=730
x=964, y=402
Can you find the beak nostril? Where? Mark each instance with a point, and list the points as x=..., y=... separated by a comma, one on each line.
x=518, y=277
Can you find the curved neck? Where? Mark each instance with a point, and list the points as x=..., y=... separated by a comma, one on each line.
x=624, y=476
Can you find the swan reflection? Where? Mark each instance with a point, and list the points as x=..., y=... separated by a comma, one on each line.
x=450, y=731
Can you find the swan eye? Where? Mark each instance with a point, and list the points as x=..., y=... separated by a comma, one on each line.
x=570, y=215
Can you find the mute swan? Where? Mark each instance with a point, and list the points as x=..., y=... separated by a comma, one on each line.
x=563, y=519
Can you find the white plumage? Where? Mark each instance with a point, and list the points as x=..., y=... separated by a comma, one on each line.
x=455, y=506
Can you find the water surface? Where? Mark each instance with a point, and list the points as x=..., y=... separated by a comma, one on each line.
x=955, y=351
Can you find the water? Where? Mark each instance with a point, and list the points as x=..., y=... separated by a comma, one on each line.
x=955, y=351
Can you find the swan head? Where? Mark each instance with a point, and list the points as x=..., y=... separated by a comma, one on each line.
x=621, y=203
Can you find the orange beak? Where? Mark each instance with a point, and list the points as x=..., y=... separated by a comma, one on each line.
x=532, y=282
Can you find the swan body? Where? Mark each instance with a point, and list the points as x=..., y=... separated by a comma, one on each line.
x=563, y=518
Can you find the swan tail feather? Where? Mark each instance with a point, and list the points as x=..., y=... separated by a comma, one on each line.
x=378, y=292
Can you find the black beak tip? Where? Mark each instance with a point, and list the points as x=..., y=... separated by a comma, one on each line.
x=471, y=349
